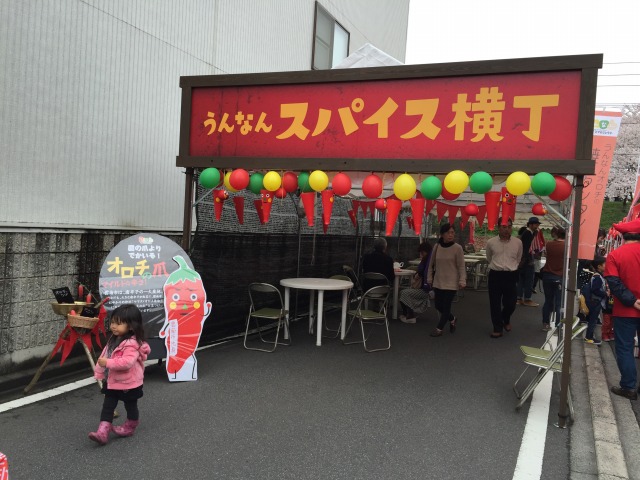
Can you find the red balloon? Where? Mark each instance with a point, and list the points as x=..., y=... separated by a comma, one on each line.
x=471, y=209
x=341, y=184
x=372, y=186
x=290, y=182
x=222, y=194
x=538, y=209
x=448, y=195
x=239, y=179
x=280, y=193
x=562, y=190
x=381, y=204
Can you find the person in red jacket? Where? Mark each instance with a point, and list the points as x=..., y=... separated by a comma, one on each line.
x=622, y=273
x=121, y=364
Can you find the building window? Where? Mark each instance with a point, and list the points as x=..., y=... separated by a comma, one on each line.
x=331, y=42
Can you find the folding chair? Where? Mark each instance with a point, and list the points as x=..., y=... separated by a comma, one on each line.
x=356, y=291
x=544, y=353
x=551, y=364
x=374, y=317
x=266, y=304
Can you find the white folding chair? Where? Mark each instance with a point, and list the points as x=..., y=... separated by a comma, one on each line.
x=267, y=305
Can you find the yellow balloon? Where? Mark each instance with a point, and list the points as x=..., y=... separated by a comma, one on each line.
x=272, y=181
x=318, y=180
x=456, y=182
x=227, y=184
x=518, y=183
x=404, y=187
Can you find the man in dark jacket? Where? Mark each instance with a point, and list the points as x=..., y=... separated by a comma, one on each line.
x=527, y=269
x=378, y=261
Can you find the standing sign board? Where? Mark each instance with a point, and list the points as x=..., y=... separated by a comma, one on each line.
x=157, y=276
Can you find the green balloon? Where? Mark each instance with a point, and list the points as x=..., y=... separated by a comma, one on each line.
x=303, y=182
x=209, y=178
x=255, y=182
x=543, y=184
x=431, y=188
x=480, y=182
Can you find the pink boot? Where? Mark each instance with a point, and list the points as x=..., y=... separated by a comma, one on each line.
x=102, y=435
x=127, y=429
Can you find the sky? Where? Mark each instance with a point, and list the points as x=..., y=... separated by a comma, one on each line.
x=467, y=30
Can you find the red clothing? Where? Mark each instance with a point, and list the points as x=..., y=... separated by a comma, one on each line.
x=555, y=258
x=624, y=263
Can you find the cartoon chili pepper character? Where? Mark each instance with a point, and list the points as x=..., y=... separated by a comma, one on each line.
x=186, y=308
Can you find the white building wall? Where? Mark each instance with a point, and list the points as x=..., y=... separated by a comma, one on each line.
x=90, y=97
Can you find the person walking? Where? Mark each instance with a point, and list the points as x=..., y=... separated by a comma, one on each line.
x=416, y=299
x=121, y=364
x=552, y=274
x=503, y=254
x=622, y=273
x=447, y=274
x=527, y=268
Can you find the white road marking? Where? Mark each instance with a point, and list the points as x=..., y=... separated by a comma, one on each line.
x=529, y=464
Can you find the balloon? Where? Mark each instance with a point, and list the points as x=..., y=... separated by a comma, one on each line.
x=471, y=209
x=448, y=195
x=431, y=188
x=209, y=178
x=480, y=182
x=290, y=182
x=543, y=184
x=381, y=204
x=256, y=182
x=239, y=179
x=227, y=176
x=318, y=180
x=272, y=181
x=518, y=183
x=341, y=184
x=303, y=182
x=404, y=187
x=562, y=190
x=456, y=182
x=372, y=186
x=281, y=193
x=539, y=209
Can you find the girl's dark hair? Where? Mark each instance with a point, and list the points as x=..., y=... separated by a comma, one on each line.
x=130, y=314
x=425, y=247
x=597, y=261
x=560, y=232
x=445, y=228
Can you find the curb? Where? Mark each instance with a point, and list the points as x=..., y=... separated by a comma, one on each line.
x=628, y=427
x=609, y=454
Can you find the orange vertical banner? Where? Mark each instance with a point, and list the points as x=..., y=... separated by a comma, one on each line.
x=605, y=133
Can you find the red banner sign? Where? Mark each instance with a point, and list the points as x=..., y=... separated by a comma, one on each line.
x=525, y=116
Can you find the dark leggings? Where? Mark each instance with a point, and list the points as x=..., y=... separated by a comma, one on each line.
x=128, y=397
x=442, y=302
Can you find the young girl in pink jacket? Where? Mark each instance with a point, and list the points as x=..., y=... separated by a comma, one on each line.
x=121, y=366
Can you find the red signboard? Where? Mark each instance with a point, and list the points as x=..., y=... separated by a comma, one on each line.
x=518, y=116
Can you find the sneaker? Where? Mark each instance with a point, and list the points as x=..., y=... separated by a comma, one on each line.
x=519, y=302
x=546, y=327
x=407, y=320
x=530, y=303
x=623, y=392
x=592, y=341
x=609, y=339
x=436, y=333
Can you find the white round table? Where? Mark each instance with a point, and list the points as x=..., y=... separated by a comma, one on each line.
x=319, y=285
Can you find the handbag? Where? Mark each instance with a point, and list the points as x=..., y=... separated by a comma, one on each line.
x=416, y=281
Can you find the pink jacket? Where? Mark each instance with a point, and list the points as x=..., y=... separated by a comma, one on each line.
x=126, y=365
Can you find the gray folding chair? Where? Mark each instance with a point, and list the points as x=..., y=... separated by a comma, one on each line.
x=333, y=300
x=266, y=305
x=371, y=317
